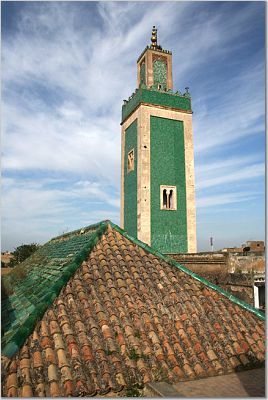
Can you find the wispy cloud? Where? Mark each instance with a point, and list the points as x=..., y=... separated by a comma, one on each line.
x=245, y=173
x=236, y=114
x=227, y=163
x=67, y=66
x=48, y=206
x=215, y=200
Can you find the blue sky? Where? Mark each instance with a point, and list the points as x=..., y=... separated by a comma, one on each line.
x=66, y=68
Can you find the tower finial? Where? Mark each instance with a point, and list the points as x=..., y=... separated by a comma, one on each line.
x=154, y=38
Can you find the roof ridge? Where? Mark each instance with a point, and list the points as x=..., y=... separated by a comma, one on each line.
x=76, y=231
x=174, y=263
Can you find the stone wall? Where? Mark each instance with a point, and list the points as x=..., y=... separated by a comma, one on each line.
x=222, y=262
x=241, y=286
x=246, y=263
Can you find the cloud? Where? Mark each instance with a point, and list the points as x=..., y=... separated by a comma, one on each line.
x=66, y=68
x=237, y=114
x=245, y=174
x=48, y=206
x=221, y=199
x=33, y=199
x=232, y=163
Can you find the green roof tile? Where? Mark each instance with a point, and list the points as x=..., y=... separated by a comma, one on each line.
x=30, y=288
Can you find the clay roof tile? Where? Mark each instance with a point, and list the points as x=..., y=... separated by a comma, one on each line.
x=54, y=327
x=58, y=341
x=50, y=356
x=27, y=391
x=52, y=373
x=25, y=363
x=87, y=353
x=12, y=392
x=40, y=390
x=37, y=359
x=66, y=374
x=54, y=389
x=12, y=381
x=62, y=359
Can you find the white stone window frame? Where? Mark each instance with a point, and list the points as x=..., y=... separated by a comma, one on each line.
x=258, y=282
x=168, y=188
x=130, y=161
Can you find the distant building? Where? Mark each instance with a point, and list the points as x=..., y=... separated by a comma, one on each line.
x=232, y=250
x=254, y=245
x=251, y=245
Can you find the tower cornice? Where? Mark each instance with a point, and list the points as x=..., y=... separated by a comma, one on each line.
x=157, y=98
x=154, y=50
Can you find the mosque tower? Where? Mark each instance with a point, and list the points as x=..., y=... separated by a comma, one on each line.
x=157, y=165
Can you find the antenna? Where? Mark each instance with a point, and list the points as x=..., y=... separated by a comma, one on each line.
x=211, y=243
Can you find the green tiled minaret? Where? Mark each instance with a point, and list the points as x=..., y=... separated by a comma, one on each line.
x=157, y=172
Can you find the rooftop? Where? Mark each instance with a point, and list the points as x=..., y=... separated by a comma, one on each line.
x=103, y=311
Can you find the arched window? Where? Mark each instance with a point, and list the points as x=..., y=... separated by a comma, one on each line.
x=165, y=199
x=168, y=197
x=130, y=161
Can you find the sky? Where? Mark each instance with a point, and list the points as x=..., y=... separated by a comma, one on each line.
x=66, y=68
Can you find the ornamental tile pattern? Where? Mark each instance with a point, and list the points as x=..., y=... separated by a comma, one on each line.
x=160, y=73
x=127, y=316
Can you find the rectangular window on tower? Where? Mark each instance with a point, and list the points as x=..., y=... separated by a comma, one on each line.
x=168, y=197
x=130, y=161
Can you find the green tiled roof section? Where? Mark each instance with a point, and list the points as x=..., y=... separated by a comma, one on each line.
x=171, y=261
x=33, y=285
x=155, y=97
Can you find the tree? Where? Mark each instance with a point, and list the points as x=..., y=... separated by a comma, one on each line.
x=22, y=252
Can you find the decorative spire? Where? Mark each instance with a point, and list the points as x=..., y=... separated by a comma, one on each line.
x=154, y=38
x=154, y=44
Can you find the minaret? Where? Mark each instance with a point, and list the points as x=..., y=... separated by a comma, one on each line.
x=157, y=166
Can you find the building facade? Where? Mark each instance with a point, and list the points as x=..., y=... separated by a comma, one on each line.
x=157, y=169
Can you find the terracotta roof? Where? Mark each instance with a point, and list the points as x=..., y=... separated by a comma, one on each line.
x=128, y=315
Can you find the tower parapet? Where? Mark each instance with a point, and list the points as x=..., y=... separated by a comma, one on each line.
x=144, y=95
